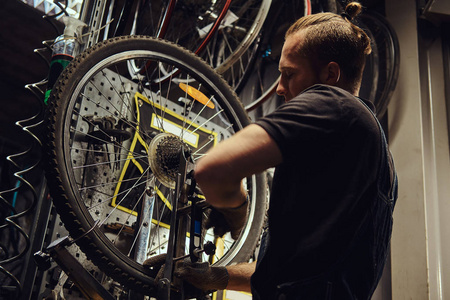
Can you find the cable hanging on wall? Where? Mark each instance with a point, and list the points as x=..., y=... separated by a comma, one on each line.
x=20, y=197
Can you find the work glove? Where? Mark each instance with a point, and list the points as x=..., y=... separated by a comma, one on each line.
x=202, y=276
x=156, y=263
x=228, y=220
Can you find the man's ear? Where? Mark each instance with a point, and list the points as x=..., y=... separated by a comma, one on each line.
x=331, y=73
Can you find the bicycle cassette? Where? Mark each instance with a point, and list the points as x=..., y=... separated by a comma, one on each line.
x=165, y=151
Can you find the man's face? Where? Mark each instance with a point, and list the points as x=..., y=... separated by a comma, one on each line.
x=297, y=73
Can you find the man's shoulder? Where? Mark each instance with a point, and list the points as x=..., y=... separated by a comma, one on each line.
x=325, y=90
x=328, y=93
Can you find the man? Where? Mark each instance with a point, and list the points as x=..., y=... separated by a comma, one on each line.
x=334, y=187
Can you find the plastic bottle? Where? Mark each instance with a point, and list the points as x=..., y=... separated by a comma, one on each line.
x=64, y=49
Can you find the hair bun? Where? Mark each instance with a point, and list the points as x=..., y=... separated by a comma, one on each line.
x=352, y=10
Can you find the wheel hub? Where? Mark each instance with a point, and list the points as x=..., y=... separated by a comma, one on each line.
x=164, y=157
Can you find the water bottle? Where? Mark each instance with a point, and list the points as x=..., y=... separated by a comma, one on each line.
x=63, y=50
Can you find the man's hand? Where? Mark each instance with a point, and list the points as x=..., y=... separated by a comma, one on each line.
x=202, y=275
x=228, y=220
x=156, y=263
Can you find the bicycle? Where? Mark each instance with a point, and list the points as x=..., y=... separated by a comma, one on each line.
x=221, y=32
x=260, y=84
x=113, y=155
x=382, y=66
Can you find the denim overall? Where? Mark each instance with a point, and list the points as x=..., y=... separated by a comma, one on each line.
x=344, y=279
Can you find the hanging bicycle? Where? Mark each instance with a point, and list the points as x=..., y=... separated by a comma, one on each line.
x=223, y=32
x=382, y=66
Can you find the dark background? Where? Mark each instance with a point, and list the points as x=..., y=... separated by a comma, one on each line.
x=22, y=29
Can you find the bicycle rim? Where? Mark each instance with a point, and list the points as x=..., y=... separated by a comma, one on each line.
x=382, y=66
x=195, y=26
x=102, y=121
x=238, y=37
x=258, y=86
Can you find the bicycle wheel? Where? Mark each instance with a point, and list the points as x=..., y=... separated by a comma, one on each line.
x=262, y=81
x=382, y=66
x=261, y=85
x=103, y=125
x=220, y=31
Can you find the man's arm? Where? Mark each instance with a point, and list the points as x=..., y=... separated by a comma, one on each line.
x=220, y=172
x=239, y=276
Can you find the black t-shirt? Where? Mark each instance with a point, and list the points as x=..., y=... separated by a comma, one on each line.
x=322, y=191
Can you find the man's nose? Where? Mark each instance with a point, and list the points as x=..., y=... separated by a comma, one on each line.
x=281, y=91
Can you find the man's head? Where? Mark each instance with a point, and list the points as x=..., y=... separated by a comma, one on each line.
x=323, y=48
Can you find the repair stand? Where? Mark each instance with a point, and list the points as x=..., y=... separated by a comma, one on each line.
x=85, y=282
